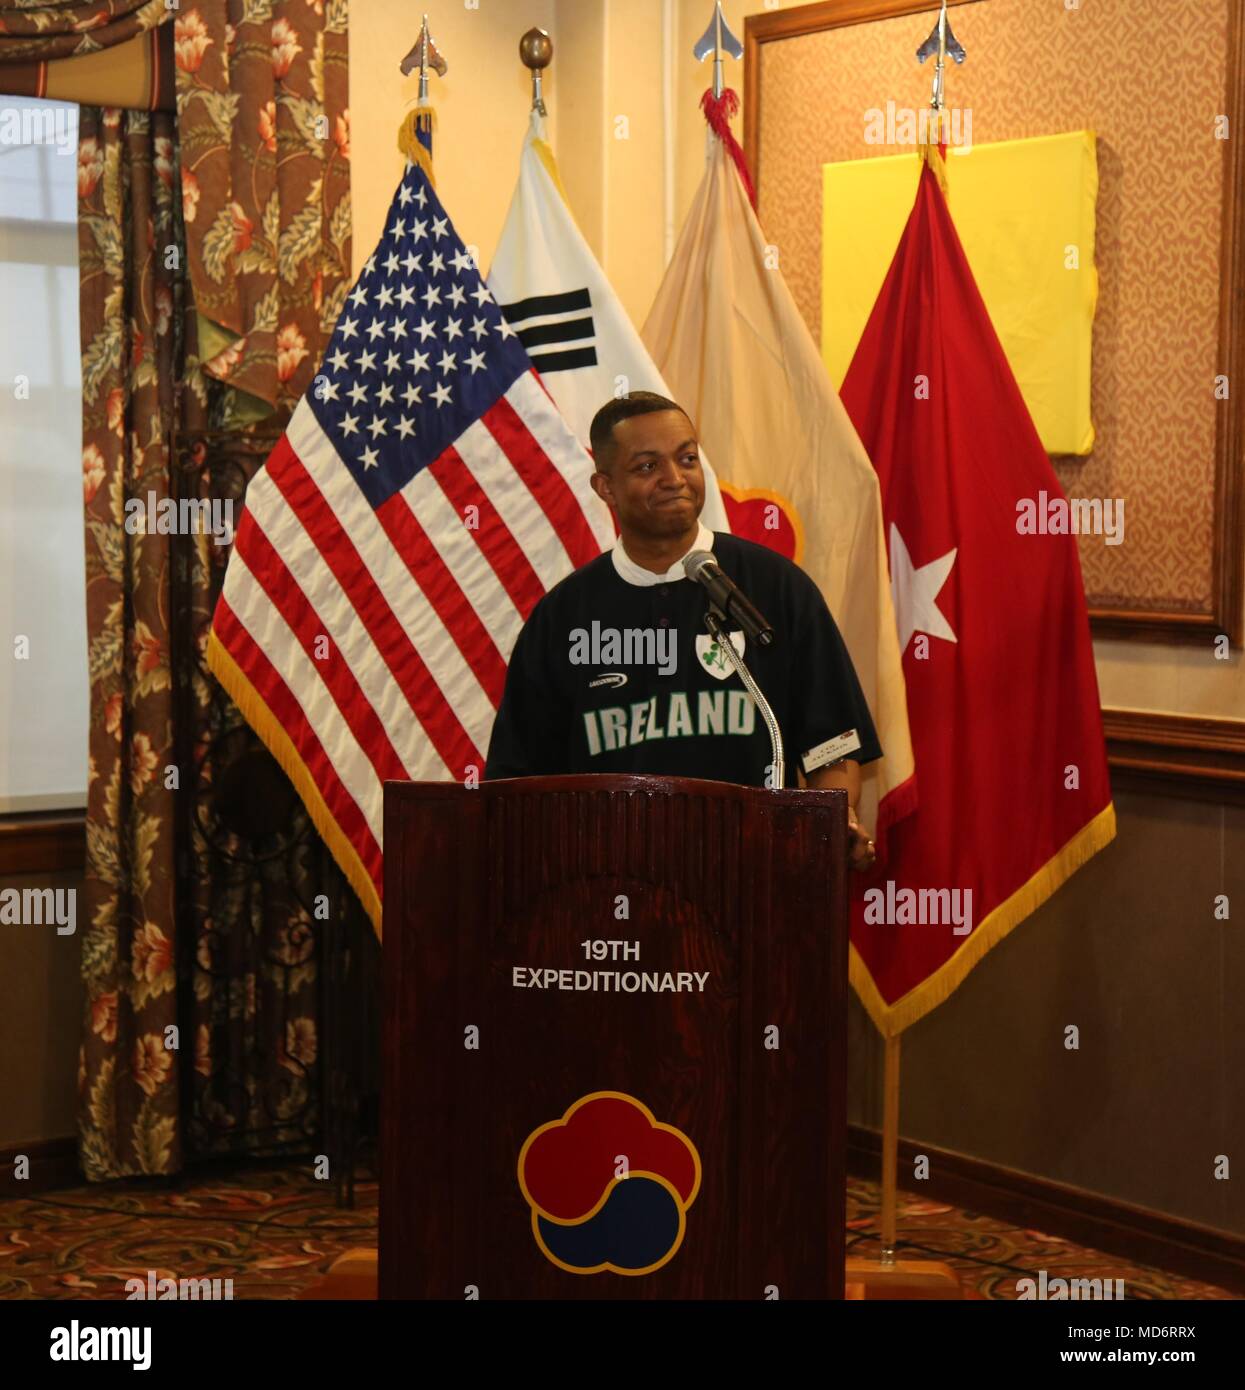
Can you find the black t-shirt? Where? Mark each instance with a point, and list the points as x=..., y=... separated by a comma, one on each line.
x=610, y=676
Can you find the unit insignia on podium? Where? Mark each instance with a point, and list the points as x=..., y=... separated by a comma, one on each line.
x=609, y=1186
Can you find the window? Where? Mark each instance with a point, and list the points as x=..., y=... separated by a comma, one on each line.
x=44, y=692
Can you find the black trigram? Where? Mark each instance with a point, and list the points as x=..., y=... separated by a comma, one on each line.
x=540, y=334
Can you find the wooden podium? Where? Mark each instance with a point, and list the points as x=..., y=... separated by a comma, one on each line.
x=614, y=1040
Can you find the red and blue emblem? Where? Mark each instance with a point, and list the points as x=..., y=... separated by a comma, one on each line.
x=609, y=1186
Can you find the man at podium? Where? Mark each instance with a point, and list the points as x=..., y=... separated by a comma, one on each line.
x=615, y=671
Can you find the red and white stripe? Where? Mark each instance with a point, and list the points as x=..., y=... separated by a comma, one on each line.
x=378, y=639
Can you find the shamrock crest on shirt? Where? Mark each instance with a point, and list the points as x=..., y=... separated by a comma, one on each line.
x=713, y=658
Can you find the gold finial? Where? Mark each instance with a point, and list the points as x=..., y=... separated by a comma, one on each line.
x=536, y=50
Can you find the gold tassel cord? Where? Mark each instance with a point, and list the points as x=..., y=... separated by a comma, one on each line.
x=932, y=155
x=422, y=120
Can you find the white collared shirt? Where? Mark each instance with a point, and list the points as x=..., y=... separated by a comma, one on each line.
x=638, y=575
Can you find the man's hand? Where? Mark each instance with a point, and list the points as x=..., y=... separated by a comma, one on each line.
x=846, y=774
x=861, y=851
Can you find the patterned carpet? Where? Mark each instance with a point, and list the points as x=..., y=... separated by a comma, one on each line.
x=273, y=1229
x=990, y=1255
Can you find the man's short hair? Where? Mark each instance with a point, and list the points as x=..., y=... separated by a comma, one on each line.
x=601, y=431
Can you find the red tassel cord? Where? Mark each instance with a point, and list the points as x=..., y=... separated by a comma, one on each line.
x=718, y=112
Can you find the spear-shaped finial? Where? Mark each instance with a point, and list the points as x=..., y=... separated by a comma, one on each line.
x=941, y=42
x=536, y=50
x=717, y=39
x=423, y=56
x=416, y=132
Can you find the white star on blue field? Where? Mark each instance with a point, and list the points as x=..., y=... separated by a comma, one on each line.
x=420, y=352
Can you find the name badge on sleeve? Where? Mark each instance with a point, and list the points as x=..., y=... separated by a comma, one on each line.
x=831, y=751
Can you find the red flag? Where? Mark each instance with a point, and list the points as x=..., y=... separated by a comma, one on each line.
x=1011, y=771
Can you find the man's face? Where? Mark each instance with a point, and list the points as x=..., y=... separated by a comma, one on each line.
x=654, y=483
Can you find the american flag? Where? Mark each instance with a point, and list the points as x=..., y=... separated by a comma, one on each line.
x=425, y=495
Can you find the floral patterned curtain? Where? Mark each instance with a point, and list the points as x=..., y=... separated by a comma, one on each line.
x=215, y=256
x=262, y=92
x=132, y=303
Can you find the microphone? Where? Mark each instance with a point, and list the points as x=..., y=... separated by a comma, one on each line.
x=725, y=594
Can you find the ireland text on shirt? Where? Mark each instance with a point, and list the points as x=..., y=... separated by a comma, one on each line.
x=718, y=712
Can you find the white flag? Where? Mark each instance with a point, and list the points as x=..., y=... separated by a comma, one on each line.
x=555, y=295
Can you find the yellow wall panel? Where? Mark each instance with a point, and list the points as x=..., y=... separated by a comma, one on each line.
x=1024, y=211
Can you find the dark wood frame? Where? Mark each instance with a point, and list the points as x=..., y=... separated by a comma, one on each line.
x=1228, y=558
x=1176, y=754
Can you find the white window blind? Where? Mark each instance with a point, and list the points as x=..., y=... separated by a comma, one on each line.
x=44, y=696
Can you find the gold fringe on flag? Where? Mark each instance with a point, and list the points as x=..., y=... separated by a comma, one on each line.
x=421, y=119
x=891, y=1019
x=274, y=737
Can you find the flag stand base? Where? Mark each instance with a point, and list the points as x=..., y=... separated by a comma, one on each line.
x=886, y=1276
x=909, y=1279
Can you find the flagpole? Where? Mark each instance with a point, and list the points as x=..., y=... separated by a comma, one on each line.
x=716, y=40
x=536, y=51
x=721, y=102
x=887, y=1276
x=415, y=132
x=939, y=97
x=890, y=1148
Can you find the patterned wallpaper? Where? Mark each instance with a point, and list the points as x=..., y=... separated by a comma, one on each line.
x=1150, y=78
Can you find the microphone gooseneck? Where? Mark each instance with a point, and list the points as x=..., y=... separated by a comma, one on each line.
x=727, y=596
